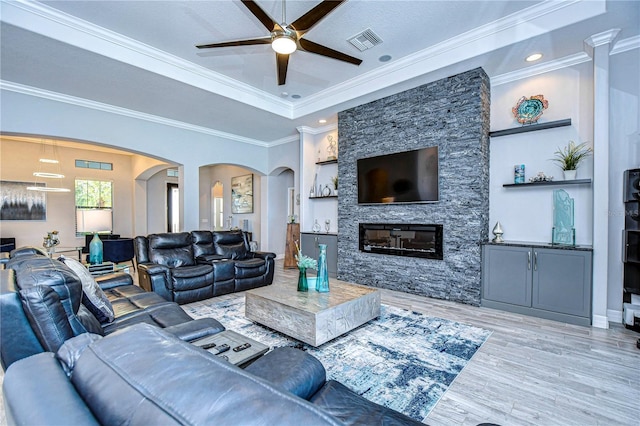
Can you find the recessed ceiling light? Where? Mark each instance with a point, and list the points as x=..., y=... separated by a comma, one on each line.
x=296, y=96
x=533, y=57
x=384, y=58
x=322, y=121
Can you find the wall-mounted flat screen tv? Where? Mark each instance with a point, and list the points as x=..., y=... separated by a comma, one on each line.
x=403, y=177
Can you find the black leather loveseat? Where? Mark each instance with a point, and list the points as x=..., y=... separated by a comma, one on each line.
x=43, y=303
x=89, y=382
x=185, y=267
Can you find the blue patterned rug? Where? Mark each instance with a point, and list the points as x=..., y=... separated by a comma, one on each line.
x=403, y=360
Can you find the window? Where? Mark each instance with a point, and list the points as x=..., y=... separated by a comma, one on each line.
x=173, y=173
x=94, y=202
x=86, y=164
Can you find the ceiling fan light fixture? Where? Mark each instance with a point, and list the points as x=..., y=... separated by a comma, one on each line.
x=284, y=44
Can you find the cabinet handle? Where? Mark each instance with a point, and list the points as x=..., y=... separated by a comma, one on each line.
x=535, y=260
x=529, y=260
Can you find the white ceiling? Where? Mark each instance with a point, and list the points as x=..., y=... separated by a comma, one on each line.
x=140, y=56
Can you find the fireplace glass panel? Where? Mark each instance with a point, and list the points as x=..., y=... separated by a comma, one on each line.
x=413, y=240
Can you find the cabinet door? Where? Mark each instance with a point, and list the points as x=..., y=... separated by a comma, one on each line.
x=562, y=281
x=332, y=252
x=506, y=274
x=309, y=245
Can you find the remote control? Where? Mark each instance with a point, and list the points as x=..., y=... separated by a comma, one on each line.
x=242, y=347
x=208, y=345
x=221, y=349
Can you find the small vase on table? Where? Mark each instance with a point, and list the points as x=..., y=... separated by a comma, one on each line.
x=302, y=280
x=322, y=283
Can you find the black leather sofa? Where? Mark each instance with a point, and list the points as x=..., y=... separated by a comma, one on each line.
x=89, y=382
x=42, y=304
x=188, y=266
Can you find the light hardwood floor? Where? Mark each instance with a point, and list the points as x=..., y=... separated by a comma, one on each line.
x=530, y=371
x=533, y=371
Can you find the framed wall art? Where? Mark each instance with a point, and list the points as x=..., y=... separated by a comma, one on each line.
x=242, y=194
x=18, y=203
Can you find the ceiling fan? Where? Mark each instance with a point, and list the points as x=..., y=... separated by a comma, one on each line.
x=287, y=38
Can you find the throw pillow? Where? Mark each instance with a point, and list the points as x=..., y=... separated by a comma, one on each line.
x=93, y=297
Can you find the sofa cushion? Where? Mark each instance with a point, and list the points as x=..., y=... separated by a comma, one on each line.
x=46, y=315
x=250, y=268
x=93, y=297
x=171, y=249
x=202, y=243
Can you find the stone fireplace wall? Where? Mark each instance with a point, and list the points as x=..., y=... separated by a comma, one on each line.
x=452, y=113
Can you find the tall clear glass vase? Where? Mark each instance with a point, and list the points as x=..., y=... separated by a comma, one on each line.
x=322, y=283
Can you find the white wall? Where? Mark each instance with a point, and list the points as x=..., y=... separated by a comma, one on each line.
x=157, y=202
x=19, y=160
x=526, y=213
x=624, y=148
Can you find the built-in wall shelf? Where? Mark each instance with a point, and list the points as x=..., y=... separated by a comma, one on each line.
x=531, y=128
x=324, y=196
x=553, y=182
x=322, y=163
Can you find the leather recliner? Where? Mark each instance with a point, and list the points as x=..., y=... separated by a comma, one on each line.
x=166, y=265
x=185, y=267
x=233, y=261
x=42, y=304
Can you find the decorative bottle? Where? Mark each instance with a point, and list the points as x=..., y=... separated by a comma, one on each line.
x=95, y=250
x=322, y=283
x=302, y=280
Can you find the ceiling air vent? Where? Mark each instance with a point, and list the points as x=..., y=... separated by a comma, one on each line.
x=365, y=40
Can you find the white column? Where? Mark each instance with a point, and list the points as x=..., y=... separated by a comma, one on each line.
x=599, y=46
x=189, y=181
x=139, y=207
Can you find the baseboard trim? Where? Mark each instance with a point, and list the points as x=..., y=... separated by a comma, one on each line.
x=614, y=316
x=600, y=321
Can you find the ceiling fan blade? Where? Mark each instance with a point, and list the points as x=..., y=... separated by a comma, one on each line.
x=312, y=17
x=262, y=16
x=282, y=62
x=249, y=42
x=309, y=46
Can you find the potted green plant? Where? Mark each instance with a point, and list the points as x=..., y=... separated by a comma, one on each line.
x=335, y=184
x=569, y=157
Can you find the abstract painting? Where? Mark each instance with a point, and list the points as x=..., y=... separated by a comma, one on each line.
x=18, y=203
x=242, y=194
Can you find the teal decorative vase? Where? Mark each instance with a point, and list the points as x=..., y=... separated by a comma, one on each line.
x=95, y=250
x=302, y=280
x=322, y=283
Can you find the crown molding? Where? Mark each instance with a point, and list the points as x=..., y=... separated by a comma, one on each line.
x=317, y=130
x=626, y=44
x=45, y=20
x=605, y=37
x=534, y=70
x=85, y=103
x=283, y=141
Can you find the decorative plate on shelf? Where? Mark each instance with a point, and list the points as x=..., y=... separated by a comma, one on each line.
x=528, y=111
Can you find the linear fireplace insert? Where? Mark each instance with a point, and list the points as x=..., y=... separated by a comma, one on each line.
x=414, y=240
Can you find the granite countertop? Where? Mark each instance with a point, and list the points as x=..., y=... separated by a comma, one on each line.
x=539, y=245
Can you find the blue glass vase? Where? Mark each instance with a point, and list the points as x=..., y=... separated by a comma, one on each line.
x=95, y=250
x=302, y=280
x=322, y=283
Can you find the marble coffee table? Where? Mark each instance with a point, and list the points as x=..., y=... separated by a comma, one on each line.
x=312, y=317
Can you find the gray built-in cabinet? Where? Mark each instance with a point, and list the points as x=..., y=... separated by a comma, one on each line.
x=309, y=246
x=542, y=280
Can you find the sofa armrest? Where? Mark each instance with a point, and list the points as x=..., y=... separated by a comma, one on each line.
x=292, y=370
x=196, y=329
x=38, y=392
x=156, y=278
x=116, y=279
x=262, y=255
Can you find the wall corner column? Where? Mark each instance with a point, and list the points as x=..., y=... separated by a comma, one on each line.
x=598, y=47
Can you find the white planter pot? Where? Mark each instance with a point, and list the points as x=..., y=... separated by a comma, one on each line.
x=569, y=174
